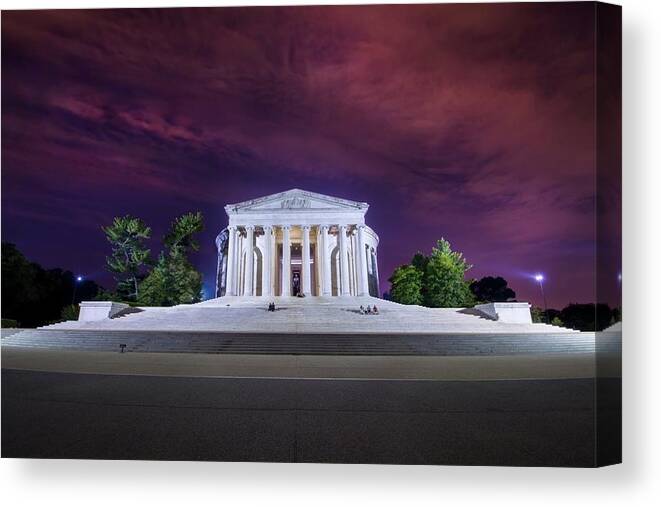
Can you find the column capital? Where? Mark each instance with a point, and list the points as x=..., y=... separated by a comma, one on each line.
x=249, y=227
x=231, y=228
x=285, y=227
x=305, y=227
x=324, y=227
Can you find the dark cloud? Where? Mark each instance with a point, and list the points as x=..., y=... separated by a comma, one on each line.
x=473, y=122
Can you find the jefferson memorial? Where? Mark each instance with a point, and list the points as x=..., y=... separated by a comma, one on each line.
x=316, y=259
x=297, y=243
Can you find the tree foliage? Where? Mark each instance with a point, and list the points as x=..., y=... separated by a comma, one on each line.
x=492, y=290
x=587, y=317
x=70, y=312
x=437, y=280
x=181, y=236
x=557, y=322
x=444, y=278
x=537, y=314
x=406, y=285
x=127, y=236
x=579, y=316
x=420, y=262
x=174, y=280
x=35, y=296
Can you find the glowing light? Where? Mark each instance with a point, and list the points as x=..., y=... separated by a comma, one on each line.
x=539, y=277
x=79, y=278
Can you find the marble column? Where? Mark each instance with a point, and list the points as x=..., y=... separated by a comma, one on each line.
x=375, y=268
x=305, y=257
x=344, y=268
x=250, y=261
x=326, y=284
x=267, y=260
x=361, y=253
x=318, y=274
x=274, y=261
x=230, y=282
x=286, y=262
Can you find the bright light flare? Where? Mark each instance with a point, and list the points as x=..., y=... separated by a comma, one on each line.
x=539, y=277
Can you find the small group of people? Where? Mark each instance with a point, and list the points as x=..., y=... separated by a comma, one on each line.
x=272, y=306
x=370, y=310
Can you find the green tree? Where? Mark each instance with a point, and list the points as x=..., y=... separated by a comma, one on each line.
x=70, y=312
x=174, y=280
x=406, y=285
x=537, y=314
x=420, y=262
x=557, y=322
x=129, y=255
x=181, y=236
x=492, y=289
x=586, y=316
x=35, y=296
x=156, y=289
x=444, y=281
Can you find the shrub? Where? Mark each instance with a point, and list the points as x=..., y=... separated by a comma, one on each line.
x=7, y=323
x=70, y=312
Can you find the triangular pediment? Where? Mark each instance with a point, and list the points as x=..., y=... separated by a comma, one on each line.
x=296, y=199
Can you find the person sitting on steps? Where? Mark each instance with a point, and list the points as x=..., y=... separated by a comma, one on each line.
x=375, y=310
x=361, y=310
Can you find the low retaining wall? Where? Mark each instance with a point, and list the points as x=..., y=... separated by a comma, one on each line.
x=516, y=313
x=99, y=310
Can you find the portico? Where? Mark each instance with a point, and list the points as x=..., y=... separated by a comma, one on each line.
x=297, y=243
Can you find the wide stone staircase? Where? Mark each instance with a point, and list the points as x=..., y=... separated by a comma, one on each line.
x=311, y=326
x=332, y=344
x=307, y=316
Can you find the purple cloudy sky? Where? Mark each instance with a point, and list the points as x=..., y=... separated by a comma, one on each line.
x=472, y=122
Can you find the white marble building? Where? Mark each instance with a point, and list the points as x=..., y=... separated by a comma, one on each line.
x=297, y=242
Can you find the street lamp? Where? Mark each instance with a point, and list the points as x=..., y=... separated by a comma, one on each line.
x=540, y=279
x=77, y=280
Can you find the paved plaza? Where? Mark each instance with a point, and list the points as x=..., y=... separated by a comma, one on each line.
x=520, y=422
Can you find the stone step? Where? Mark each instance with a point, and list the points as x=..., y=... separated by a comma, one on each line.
x=307, y=315
x=446, y=344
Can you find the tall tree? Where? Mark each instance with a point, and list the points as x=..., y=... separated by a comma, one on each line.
x=127, y=236
x=444, y=280
x=586, y=316
x=420, y=261
x=35, y=296
x=174, y=280
x=406, y=285
x=492, y=289
x=181, y=236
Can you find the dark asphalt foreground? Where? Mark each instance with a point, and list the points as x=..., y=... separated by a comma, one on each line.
x=518, y=422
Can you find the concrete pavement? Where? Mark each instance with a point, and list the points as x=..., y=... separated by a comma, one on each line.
x=302, y=366
x=522, y=422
